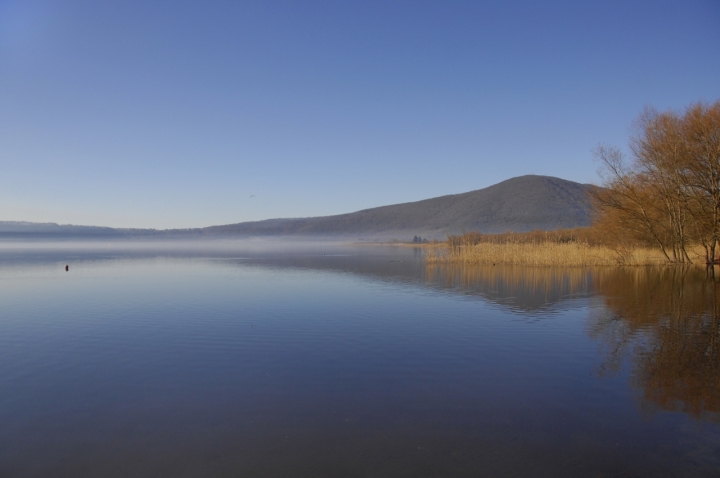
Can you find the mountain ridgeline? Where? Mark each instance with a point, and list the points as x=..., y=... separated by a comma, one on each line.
x=519, y=204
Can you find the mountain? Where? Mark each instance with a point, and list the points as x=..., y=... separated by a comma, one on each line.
x=50, y=229
x=519, y=204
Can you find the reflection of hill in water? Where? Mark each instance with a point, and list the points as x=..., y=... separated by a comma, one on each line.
x=519, y=288
x=664, y=322
x=522, y=289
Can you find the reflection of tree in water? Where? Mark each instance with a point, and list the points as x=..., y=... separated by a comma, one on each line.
x=667, y=322
x=664, y=321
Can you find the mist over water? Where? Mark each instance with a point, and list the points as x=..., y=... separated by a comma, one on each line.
x=327, y=359
x=205, y=246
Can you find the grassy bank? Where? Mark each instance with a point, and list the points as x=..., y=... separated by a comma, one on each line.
x=557, y=248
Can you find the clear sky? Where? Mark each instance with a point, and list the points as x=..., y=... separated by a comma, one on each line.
x=188, y=114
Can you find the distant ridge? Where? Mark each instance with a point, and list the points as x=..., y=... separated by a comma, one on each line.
x=519, y=204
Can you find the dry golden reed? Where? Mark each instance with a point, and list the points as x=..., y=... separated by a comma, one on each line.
x=544, y=253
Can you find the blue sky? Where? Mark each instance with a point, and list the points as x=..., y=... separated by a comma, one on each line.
x=173, y=114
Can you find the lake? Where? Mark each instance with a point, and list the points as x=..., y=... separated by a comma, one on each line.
x=251, y=360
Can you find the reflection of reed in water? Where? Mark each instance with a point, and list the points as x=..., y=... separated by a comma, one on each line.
x=524, y=287
x=667, y=323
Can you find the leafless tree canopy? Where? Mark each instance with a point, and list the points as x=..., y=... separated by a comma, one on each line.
x=669, y=194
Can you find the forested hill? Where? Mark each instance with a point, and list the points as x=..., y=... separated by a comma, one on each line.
x=518, y=204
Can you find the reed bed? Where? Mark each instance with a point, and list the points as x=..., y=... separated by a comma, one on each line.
x=540, y=253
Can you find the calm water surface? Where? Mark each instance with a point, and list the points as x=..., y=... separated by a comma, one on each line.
x=357, y=362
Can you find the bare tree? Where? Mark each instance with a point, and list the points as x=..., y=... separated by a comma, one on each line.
x=701, y=131
x=669, y=195
x=659, y=150
x=626, y=204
